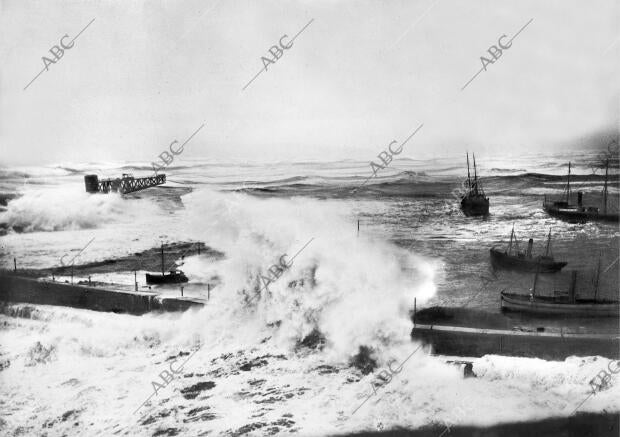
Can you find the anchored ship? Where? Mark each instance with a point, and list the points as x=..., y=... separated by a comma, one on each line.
x=514, y=259
x=564, y=210
x=564, y=303
x=474, y=202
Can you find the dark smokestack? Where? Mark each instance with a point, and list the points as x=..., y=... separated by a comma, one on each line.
x=579, y=198
x=530, y=244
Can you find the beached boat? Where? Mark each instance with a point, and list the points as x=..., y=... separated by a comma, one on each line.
x=472, y=333
x=474, y=202
x=579, y=213
x=514, y=259
x=172, y=277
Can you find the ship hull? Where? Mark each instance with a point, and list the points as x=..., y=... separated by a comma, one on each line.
x=475, y=206
x=173, y=278
x=578, y=215
x=502, y=260
x=541, y=305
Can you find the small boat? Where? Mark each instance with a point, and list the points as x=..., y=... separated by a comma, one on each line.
x=579, y=213
x=564, y=303
x=474, y=202
x=172, y=277
x=517, y=260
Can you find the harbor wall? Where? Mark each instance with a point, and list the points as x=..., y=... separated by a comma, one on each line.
x=477, y=344
x=14, y=288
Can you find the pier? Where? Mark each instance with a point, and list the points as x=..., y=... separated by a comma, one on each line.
x=20, y=289
x=125, y=184
x=466, y=332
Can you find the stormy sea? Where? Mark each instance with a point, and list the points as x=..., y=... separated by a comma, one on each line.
x=298, y=355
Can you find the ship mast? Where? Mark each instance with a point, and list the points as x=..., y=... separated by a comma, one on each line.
x=598, y=275
x=568, y=185
x=162, y=259
x=548, y=244
x=605, y=188
x=535, y=279
x=468, y=176
x=475, y=175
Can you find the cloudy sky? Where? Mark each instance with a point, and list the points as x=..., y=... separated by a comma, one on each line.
x=362, y=74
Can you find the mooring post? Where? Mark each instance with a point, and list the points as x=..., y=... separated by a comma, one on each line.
x=181, y=290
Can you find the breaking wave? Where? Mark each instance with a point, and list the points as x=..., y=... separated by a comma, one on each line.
x=68, y=208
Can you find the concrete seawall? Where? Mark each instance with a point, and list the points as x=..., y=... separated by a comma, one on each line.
x=14, y=288
x=471, y=342
x=473, y=333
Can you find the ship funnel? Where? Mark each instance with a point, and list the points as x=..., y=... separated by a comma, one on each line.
x=530, y=244
x=579, y=199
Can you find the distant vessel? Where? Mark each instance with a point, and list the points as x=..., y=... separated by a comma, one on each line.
x=578, y=213
x=524, y=261
x=564, y=303
x=474, y=202
x=172, y=277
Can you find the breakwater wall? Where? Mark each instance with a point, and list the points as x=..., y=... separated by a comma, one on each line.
x=15, y=288
x=470, y=342
x=473, y=333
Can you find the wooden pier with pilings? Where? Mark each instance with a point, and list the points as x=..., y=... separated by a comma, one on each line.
x=125, y=184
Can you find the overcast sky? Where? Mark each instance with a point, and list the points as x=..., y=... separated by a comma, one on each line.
x=362, y=74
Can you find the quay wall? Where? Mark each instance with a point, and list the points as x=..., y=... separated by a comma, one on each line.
x=477, y=344
x=14, y=288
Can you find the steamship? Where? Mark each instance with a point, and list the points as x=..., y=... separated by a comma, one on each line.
x=579, y=213
x=474, y=202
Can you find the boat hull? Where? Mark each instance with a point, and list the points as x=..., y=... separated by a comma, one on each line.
x=538, y=305
x=475, y=205
x=171, y=278
x=575, y=214
x=501, y=259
